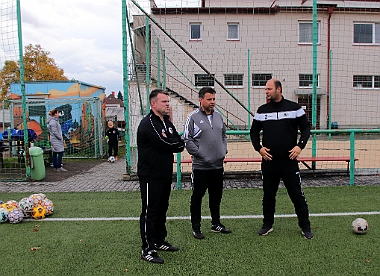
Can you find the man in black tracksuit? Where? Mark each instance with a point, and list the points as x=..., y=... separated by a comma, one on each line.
x=280, y=120
x=157, y=140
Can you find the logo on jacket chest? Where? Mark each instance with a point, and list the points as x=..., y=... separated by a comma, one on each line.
x=270, y=116
x=170, y=130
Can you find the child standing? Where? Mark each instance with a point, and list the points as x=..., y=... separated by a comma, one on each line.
x=113, y=137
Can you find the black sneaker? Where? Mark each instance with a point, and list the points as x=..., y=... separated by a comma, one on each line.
x=220, y=228
x=308, y=235
x=198, y=234
x=265, y=230
x=151, y=256
x=165, y=246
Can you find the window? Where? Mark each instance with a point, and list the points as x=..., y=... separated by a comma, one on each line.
x=260, y=79
x=233, y=80
x=367, y=33
x=204, y=80
x=233, y=31
x=306, y=33
x=366, y=81
x=306, y=80
x=195, y=31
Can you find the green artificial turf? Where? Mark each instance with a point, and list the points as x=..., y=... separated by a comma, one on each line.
x=113, y=247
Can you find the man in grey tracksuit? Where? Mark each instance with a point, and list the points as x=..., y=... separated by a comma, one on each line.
x=206, y=140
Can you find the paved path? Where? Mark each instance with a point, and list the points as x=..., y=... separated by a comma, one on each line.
x=109, y=177
x=103, y=177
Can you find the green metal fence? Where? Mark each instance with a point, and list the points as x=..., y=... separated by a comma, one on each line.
x=355, y=143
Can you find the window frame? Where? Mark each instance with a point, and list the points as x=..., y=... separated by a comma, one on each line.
x=310, y=85
x=199, y=24
x=237, y=84
x=375, y=35
x=228, y=31
x=206, y=78
x=299, y=32
x=262, y=81
x=375, y=82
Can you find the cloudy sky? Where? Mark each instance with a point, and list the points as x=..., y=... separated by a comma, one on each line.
x=82, y=36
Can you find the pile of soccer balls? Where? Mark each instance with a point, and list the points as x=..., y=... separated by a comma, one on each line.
x=36, y=206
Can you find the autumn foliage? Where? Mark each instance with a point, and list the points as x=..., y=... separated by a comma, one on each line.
x=38, y=66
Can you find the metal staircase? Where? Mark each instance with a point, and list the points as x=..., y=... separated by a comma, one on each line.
x=182, y=99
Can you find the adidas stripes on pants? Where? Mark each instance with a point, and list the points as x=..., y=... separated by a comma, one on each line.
x=155, y=203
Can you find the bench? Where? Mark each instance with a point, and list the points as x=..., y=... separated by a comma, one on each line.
x=347, y=159
x=303, y=160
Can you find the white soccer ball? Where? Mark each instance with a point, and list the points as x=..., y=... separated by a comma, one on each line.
x=37, y=198
x=15, y=216
x=111, y=159
x=359, y=226
x=48, y=206
x=26, y=205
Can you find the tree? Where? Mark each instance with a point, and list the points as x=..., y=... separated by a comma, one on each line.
x=38, y=66
x=10, y=73
x=120, y=96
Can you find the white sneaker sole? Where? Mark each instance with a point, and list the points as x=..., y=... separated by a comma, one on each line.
x=266, y=233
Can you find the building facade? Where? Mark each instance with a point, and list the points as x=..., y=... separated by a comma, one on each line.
x=235, y=46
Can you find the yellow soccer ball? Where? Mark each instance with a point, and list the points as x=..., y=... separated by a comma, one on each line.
x=11, y=204
x=38, y=212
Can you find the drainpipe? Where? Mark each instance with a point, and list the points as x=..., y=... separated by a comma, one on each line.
x=330, y=11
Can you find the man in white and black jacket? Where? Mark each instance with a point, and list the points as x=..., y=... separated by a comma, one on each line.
x=206, y=141
x=157, y=140
x=280, y=119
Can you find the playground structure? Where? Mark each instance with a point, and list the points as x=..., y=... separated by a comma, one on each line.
x=82, y=123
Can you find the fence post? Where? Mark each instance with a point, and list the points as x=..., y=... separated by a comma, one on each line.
x=352, y=158
x=179, y=173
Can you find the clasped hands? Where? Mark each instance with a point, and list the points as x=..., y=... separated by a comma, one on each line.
x=293, y=153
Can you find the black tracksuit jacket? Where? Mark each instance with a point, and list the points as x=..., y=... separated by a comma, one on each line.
x=280, y=122
x=155, y=152
x=113, y=136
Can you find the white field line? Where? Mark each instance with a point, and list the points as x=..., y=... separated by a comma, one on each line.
x=209, y=217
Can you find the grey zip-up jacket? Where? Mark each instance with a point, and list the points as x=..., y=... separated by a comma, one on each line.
x=55, y=131
x=206, y=141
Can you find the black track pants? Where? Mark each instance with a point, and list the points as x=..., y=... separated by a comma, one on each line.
x=113, y=147
x=211, y=180
x=288, y=171
x=155, y=203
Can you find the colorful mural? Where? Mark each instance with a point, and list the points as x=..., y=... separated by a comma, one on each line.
x=57, y=90
x=74, y=101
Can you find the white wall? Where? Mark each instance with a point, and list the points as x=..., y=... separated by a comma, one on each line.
x=273, y=43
